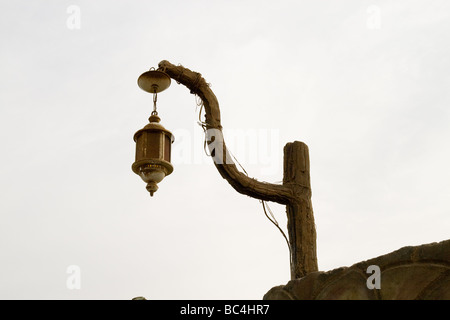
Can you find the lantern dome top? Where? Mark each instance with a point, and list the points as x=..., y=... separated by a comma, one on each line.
x=154, y=125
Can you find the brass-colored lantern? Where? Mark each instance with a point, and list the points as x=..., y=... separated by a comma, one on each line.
x=153, y=142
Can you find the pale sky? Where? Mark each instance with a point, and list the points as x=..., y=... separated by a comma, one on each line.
x=363, y=83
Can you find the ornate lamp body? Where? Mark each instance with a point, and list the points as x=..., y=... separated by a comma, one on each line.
x=153, y=147
x=153, y=142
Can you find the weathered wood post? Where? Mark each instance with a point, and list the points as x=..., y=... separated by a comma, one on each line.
x=295, y=192
x=300, y=217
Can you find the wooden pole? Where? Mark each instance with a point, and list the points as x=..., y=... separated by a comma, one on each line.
x=301, y=227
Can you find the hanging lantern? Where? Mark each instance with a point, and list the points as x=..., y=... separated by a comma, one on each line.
x=153, y=142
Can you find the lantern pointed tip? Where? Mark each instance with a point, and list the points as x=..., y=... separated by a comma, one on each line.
x=152, y=187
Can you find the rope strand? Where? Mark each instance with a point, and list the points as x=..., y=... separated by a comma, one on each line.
x=275, y=222
x=199, y=103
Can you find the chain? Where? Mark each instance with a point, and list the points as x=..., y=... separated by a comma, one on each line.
x=155, y=98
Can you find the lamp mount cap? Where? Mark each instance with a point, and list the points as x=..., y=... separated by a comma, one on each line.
x=154, y=81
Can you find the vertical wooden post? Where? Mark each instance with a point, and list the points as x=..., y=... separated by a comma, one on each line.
x=300, y=224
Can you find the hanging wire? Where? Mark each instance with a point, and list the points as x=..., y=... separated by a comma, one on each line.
x=199, y=103
x=240, y=165
x=275, y=222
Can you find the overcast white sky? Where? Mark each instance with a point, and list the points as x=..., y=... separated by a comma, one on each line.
x=363, y=83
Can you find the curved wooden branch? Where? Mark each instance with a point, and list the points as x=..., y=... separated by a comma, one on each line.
x=283, y=194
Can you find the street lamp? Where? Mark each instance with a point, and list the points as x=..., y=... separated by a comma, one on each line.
x=152, y=164
x=153, y=142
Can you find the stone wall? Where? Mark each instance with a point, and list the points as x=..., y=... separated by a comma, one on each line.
x=421, y=272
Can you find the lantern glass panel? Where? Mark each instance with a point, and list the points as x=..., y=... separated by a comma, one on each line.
x=167, y=148
x=153, y=145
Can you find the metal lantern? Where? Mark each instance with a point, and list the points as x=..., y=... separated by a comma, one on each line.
x=153, y=142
